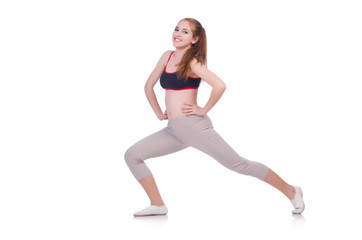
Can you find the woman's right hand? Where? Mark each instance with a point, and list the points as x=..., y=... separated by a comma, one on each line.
x=163, y=116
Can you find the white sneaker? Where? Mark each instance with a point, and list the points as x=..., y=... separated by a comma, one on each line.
x=298, y=202
x=152, y=211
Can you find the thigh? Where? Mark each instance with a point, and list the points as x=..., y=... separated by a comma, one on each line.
x=198, y=132
x=158, y=144
x=211, y=143
x=215, y=146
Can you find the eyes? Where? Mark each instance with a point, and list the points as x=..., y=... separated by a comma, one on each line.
x=183, y=30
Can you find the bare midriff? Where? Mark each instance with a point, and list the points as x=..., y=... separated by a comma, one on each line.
x=176, y=98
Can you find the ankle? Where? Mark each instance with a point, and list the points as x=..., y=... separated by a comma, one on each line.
x=291, y=193
x=161, y=203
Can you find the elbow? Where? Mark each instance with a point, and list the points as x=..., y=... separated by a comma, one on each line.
x=222, y=87
x=148, y=87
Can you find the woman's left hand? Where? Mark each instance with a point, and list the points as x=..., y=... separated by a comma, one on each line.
x=193, y=109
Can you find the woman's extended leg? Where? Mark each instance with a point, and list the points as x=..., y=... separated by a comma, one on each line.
x=224, y=154
x=273, y=179
x=202, y=136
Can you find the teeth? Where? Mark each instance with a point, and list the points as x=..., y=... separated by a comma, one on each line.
x=177, y=40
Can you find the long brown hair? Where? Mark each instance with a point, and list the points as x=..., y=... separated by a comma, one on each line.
x=197, y=50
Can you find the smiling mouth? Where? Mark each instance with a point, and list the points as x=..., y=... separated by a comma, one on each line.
x=177, y=40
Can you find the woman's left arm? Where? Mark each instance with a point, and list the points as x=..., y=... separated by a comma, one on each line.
x=218, y=88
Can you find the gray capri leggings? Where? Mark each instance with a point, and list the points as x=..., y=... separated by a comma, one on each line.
x=189, y=131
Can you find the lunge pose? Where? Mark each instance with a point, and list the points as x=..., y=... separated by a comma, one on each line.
x=180, y=73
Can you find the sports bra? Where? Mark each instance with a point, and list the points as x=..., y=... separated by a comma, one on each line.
x=169, y=81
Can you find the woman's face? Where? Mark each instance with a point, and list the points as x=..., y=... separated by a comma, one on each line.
x=182, y=36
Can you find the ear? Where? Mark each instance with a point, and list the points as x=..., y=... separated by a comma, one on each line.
x=195, y=40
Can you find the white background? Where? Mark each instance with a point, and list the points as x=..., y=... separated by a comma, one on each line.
x=72, y=101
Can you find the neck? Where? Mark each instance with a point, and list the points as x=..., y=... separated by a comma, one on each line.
x=180, y=52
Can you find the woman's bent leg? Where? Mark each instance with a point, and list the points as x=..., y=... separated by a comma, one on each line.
x=150, y=187
x=158, y=144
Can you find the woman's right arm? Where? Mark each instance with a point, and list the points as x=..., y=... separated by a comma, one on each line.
x=151, y=82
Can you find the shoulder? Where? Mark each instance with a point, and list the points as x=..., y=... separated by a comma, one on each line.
x=199, y=69
x=165, y=56
x=168, y=52
x=196, y=65
x=163, y=59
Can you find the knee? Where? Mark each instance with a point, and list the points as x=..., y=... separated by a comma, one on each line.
x=242, y=166
x=131, y=158
x=251, y=168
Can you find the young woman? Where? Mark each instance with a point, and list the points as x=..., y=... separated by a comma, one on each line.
x=180, y=73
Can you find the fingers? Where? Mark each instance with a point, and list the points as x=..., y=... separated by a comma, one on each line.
x=188, y=111
x=187, y=106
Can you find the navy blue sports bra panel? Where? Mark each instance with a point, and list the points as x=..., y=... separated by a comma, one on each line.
x=169, y=81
